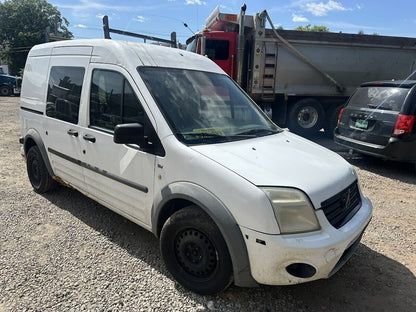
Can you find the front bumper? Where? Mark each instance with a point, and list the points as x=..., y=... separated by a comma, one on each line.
x=308, y=256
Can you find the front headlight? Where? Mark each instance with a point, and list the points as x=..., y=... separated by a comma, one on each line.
x=293, y=210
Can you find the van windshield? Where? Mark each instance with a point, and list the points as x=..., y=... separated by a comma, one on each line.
x=385, y=98
x=203, y=107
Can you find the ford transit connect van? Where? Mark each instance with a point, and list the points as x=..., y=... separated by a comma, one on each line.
x=165, y=138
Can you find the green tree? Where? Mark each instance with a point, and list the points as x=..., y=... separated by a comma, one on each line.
x=312, y=28
x=23, y=24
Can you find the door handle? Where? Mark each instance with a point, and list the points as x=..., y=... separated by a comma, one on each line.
x=89, y=137
x=72, y=132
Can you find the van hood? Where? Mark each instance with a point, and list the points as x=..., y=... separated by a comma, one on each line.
x=284, y=160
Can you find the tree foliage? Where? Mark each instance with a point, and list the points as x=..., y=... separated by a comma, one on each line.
x=23, y=24
x=312, y=28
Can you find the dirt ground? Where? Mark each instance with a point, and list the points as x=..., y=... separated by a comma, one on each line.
x=62, y=251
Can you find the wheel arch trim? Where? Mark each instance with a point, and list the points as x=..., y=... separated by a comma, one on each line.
x=33, y=135
x=218, y=212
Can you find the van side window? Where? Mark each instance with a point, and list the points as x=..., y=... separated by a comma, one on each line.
x=112, y=101
x=64, y=93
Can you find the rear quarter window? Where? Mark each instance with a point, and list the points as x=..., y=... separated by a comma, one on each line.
x=384, y=98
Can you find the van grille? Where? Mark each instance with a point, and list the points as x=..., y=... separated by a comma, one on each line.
x=340, y=208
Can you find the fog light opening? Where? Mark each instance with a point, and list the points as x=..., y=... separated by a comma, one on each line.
x=301, y=270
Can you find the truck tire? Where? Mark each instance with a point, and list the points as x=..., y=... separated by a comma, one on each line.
x=38, y=175
x=4, y=90
x=306, y=117
x=331, y=120
x=195, y=252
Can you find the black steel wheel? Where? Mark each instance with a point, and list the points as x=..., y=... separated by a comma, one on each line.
x=195, y=252
x=38, y=174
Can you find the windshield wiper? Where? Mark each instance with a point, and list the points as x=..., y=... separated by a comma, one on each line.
x=202, y=135
x=254, y=132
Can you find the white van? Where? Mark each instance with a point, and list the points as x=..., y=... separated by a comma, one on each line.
x=165, y=138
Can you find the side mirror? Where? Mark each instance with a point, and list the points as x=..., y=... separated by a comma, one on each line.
x=132, y=133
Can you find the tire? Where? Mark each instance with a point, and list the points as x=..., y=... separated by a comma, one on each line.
x=38, y=175
x=331, y=120
x=4, y=90
x=306, y=117
x=195, y=252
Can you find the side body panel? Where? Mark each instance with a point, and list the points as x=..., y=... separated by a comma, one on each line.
x=62, y=139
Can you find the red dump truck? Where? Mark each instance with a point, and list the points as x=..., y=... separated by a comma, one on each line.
x=300, y=79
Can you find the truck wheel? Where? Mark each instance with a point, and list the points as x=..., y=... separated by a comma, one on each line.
x=4, y=90
x=331, y=120
x=39, y=176
x=306, y=117
x=195, y=252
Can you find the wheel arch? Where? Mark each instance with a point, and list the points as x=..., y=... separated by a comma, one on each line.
x=181, y=194
x=33, y=138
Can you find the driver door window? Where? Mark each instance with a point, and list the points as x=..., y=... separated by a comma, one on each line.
x=112, y=101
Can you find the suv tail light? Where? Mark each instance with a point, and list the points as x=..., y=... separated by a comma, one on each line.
x=404, y=124
x=340, y=114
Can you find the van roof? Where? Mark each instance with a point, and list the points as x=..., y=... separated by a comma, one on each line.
x=127, y=54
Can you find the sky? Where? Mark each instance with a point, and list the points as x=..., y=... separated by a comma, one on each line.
x=160, y=17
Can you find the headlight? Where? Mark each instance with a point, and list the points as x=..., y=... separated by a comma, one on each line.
x=293, y=210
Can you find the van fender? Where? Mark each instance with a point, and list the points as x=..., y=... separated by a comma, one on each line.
x=31, y=138
x=222, y=217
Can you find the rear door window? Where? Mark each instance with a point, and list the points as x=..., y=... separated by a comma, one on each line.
x=384, y=98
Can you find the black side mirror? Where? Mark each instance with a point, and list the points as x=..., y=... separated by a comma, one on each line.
x=132, y=133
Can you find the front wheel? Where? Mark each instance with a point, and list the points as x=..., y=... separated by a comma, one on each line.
x=306, y=117
x=195, y=252
x=39, y=176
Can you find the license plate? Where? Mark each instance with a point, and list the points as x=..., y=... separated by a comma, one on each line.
x=361, y=123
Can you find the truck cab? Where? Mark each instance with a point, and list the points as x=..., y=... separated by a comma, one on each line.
x=219, y=46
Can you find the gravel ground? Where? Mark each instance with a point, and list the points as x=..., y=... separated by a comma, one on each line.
x=64, y=252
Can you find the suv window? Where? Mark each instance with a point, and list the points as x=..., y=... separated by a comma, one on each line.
x=112, y=101
x=64, y=93
x=387, y=98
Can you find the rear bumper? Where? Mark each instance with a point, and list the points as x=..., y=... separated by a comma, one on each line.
x=396, y=148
